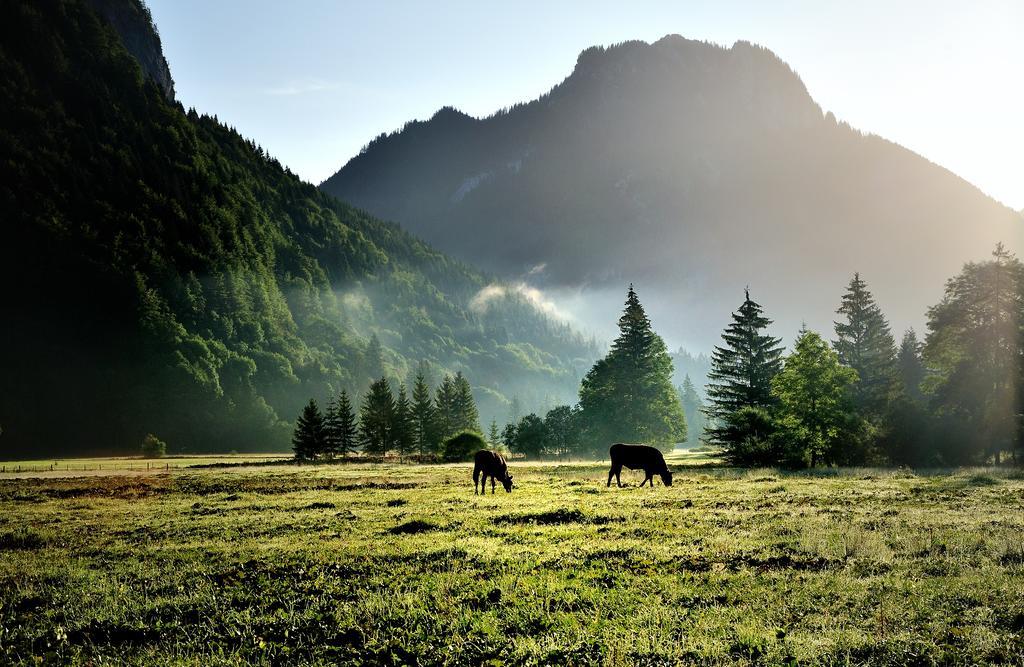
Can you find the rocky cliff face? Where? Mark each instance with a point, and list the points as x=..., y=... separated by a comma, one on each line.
x=133, y=22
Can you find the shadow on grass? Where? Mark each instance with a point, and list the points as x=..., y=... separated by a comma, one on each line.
x=553, y=518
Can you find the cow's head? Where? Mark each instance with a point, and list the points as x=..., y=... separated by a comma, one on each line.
x=666, y=477
x=507, y=483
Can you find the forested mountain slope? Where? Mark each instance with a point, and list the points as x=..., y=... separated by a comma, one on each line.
x=691, y=170
x=160, y=273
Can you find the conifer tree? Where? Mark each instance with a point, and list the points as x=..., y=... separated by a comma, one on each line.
x=331, y=427
x=376, y=418
x=341, y=427
x=693, y=408
x=493, y=435
x=741, y=371
x=465, y=415
x=424, y=417
x=444, y=409
x=910, y=367
x=628, y=396
x=309, y=439
x=424, y=370
x=402, y=430
x=865, y=344
x=909, y=438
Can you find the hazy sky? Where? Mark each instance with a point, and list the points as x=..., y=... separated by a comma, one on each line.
x=313, y=81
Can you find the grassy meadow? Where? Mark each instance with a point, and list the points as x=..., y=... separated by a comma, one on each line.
x=396, y=564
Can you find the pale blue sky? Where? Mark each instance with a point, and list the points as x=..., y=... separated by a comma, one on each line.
x=313, y=81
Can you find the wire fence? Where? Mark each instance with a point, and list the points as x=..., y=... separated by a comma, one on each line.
x=87, y=467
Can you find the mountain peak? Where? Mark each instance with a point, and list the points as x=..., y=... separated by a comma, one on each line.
x=745, y=73
x=683, y=163
x=449, y=114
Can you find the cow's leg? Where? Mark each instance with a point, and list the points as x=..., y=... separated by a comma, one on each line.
x=647, y=478
x=611, y=473
x=492, y=485
x=618, y=476
x=476, y=477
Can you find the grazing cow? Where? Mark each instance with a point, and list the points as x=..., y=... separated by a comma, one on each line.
x=490, y=464
x=638, y=457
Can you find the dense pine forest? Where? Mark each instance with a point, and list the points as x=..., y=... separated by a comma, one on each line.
x=160, y=273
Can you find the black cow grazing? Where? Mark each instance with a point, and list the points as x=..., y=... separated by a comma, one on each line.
x=638, y=457
x=490, y=464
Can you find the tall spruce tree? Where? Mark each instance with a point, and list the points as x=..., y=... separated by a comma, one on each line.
x=628, y=396
x=342, y=429
x=310, y=437
x=865, y=344
x=693, y=408
x=741, y=372
x=424, y=417
x=402, y=428
x=493, y=435
x=910, y=367
x=465, y=415
x=909, y=438
x=331, y=427
x=376, y=418
x=444, y=409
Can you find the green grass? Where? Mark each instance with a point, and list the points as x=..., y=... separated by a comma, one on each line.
x=394, y=564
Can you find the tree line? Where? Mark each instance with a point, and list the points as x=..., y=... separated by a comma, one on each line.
x=860, y=399
x=628, y=396
x=953, y=399
x=418, y=425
